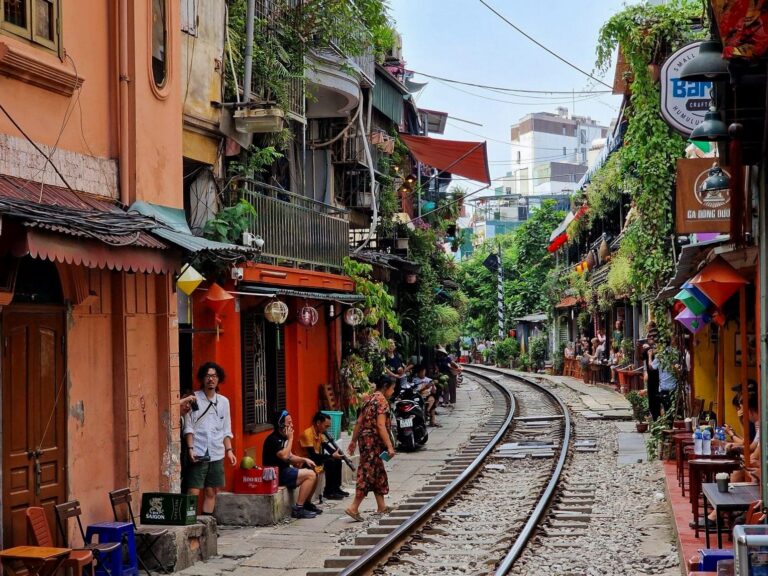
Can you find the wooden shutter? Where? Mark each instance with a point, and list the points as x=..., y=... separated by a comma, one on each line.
x=562, y=334
x=274, y=345
x=255, y=405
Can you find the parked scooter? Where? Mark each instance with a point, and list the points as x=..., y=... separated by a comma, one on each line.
x=410, y=419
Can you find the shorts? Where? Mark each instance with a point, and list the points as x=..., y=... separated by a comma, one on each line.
x=288, y=477
x=205, y=474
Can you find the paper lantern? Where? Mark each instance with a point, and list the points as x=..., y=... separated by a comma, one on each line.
x=276, y=312
x=189, y=280
x=718, y=281
x=353, y=316
x=693, y=322
x=689, y=299
x=308, y=316
x=217, y=298
x=719, y=318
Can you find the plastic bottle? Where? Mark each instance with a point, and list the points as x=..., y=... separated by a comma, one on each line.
x=706, y=442
x=697, y=441
x=721, y=440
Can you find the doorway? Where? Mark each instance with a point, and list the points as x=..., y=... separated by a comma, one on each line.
x=34, y=403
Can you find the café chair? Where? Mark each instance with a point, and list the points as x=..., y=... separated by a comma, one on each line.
x=108, y=555
x=147, y=536
x=41, y=534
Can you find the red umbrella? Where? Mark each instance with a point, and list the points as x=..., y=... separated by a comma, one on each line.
x=719, y=281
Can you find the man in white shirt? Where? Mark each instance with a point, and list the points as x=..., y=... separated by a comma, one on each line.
x=208, y=436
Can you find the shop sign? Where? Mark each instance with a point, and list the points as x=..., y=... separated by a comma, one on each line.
x=696, y=211
x=683, y=103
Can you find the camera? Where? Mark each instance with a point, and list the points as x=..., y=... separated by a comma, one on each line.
x=194, y=406
x=237, y=273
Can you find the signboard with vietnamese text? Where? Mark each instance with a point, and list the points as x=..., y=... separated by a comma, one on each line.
x=683, y=103
x=696, y=210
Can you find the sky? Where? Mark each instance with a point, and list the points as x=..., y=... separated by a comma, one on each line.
x=463, y=40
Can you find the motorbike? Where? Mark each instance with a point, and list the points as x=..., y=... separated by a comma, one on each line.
x=409, y=421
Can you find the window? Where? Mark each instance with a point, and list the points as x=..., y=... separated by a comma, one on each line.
x=34, y=20
x=518, y=156
x=159, y=42
x=263, y=370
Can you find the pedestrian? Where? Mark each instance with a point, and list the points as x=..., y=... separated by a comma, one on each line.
x=394, y=367
x=208, y=437
x=651, y=376
x=317, y=447
x=448, y=367
x=372, y=433
x=294, y=471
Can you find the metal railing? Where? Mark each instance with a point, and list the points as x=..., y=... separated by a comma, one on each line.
x=297, y=230
x=365, y=64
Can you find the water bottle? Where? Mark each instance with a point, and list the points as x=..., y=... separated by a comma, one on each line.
x=706, y=442
x=720, y=435
x=697, y=442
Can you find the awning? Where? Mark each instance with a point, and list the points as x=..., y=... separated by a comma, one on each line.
x=533, y=318
x=173, y=227
x=559, y=235
x=567, y=302
x=468, y=159
x=687, y=262
x=343, y=297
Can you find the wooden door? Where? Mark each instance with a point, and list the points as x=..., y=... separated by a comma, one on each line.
x=34, y=415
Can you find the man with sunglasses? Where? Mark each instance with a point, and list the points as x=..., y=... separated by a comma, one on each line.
x=295, y=471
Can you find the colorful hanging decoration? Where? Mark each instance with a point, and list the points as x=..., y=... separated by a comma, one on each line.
x=308, y=316
x=719, y=318
x=693, y=322
x=276, y=312
x=692, y=301
x=189, y=280
x=217, y=299
x=718, y=281
x=353, y=316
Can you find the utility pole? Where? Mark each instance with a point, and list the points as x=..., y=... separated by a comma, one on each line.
x=500, y=294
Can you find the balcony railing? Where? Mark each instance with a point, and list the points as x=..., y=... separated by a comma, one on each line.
x=365, y=63
x=298, y=231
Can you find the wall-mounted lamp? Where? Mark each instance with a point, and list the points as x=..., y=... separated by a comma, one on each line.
x=712, y=129
x=708, y=65
x=715, y=186
x=258, y=241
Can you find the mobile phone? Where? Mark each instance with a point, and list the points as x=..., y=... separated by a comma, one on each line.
x=384, y=456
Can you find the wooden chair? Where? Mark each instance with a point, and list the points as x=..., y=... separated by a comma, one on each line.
x=147, y=536
x=41, y=534
x=755, y=514
x=102, y=553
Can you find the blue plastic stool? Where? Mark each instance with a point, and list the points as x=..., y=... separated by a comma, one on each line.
x=120, y=564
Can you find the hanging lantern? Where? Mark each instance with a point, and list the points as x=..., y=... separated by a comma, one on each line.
x=189, y=280
x=353, y=316
x=308, y=316
x=276, y=312
x=693, y=322
x=718, y=281
x=693, y=299
x=217, y=299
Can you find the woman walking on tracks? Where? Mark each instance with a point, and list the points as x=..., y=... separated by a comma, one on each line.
x=372, y=431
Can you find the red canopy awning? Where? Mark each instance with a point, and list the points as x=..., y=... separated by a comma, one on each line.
x=468, y=159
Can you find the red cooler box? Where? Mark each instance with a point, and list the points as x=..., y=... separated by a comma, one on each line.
x=257, y=480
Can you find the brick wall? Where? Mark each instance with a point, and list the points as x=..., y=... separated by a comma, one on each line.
x=84, y=173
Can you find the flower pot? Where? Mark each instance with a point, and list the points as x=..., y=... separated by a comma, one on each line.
x=641, y=427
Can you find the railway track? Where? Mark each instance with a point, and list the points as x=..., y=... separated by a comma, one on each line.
x=479, y=512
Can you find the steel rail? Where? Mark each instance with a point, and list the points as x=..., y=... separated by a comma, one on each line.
x=389, y=543
x=546, y=498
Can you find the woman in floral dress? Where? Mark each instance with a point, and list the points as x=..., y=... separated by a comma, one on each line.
x=372, y=431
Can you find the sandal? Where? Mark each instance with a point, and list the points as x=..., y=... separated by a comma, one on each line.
x=354, y=515
x=387, y=510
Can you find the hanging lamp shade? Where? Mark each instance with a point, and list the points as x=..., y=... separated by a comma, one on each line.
x=189, y=280
x=718, y=281
x=708, y=65
x=276, y=312
x=693, y=322
x=308, y=316
x=353, y=316
x=719, y=318
x=217, y=298
x=692, y=301
x=712, y=129
x=714, y=186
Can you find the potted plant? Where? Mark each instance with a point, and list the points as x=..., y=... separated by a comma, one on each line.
x=639, y=404
x=523, y=362
x=538, y=351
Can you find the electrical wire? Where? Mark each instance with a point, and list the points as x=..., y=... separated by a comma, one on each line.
x=538, y=103
x=540, y=45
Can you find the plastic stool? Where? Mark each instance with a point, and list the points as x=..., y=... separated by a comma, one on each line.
x=120, y=564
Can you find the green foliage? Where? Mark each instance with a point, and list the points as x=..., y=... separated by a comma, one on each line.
x=354, y=373
x=507, y=350
x=558, y=358
x=523, y=362
x=618, y=275
x=583, y=320
x=537, y=351
x=230, y=223
x=646, y=34
x=378, y=304
x=639, y=405
x=606, y=188
x=258, y=161
x=448, y=323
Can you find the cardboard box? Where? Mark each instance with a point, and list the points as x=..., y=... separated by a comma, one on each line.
x=168, y=509
x=252, y=481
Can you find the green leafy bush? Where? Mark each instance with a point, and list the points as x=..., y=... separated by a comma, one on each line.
x=506, y=351
x=537, y=351
x=230, y=223
x=639, y=405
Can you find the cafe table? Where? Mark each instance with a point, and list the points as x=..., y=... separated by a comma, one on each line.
x=736, y=499
x=33, y=560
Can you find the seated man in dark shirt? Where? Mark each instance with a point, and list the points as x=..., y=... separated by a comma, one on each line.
x=295, y=471
x=319, y=450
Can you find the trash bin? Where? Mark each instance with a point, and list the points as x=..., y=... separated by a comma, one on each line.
x=335, y=430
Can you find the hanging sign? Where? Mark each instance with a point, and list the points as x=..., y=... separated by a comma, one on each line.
x=683, y=103
x=697, y=211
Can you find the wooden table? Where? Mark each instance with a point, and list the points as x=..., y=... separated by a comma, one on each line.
x=33, y=560
x=737, y=499
x=703, y=470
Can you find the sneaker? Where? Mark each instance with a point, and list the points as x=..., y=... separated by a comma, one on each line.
x=312, y=508
x=302, y=512
x=333, y=496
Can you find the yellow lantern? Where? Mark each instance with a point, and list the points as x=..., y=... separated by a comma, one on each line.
x=189, y=280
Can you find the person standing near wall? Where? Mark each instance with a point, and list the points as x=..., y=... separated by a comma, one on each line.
x=208, y=437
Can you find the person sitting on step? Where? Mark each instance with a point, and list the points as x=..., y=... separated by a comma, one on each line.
x=318, y=449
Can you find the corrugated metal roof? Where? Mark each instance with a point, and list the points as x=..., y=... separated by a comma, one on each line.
x=690, y=256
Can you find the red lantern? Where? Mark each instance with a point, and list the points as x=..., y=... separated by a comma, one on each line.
x=719, y=281
x=217, y=299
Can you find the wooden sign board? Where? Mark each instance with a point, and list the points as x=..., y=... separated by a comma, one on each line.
x=694, y=210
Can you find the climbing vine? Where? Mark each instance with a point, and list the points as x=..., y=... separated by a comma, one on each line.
x=646, y=35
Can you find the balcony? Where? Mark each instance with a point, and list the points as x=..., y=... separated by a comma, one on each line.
x=297, y=231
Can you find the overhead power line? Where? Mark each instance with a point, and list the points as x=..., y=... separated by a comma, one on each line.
x=503, y=89
x=540, y=45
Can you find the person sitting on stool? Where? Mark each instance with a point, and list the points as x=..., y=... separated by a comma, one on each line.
x=317, y=448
